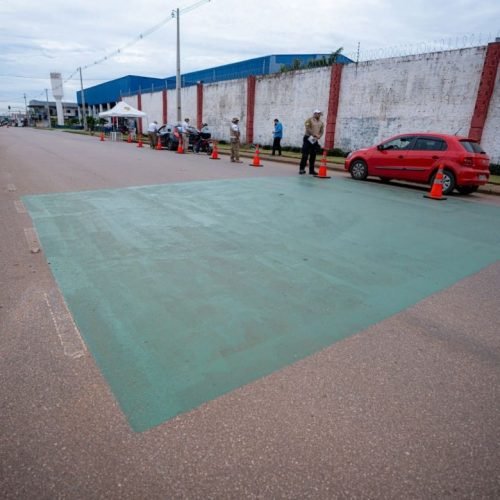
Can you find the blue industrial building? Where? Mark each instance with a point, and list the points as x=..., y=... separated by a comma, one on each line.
x=112, y=91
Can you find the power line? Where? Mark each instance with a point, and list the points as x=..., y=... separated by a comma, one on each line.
x=137, y=39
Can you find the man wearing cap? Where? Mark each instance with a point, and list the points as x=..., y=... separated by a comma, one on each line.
x=234, y=135
x=314, y=132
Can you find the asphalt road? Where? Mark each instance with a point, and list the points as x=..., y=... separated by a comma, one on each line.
x=408, y=408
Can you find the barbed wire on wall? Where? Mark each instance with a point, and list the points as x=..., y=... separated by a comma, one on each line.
x=410, y=49
x=359, y=54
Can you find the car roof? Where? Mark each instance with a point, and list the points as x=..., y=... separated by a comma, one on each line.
x=436, y=134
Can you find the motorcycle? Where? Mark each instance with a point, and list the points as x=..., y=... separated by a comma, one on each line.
x=202, y=143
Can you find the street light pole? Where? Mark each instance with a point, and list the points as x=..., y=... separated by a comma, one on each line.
x=84, y=113
x=48, y=108
x=26, y=111
x=178, y=73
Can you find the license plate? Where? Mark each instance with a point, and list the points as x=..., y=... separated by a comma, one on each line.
x=481, y=177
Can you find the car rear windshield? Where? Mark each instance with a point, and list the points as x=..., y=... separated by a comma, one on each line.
x=472, y=147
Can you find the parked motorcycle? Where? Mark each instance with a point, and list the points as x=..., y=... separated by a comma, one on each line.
x=202, y=143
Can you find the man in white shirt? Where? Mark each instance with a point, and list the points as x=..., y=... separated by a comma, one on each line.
x=185, y=134
x=152, y=130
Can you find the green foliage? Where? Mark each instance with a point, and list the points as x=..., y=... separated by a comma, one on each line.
x=91, y=122
x=495, y=168
x=337, y=152
x=313, y=63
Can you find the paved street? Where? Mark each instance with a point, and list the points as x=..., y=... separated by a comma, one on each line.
x=405, y=405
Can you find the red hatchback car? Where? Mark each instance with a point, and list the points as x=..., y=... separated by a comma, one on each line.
x=416, y=157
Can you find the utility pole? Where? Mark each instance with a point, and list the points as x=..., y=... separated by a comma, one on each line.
x=178, y=73
x=84, y=112
x=48, y=108
x=26, y=111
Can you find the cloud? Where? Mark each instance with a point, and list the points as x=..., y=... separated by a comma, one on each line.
x=40, y=37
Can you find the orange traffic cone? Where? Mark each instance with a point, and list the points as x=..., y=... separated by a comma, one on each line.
x=180, y=149
x=215, y=153
x=158, y=144
x=437, y=186
x=139, y=142
x=256, y=158
x=129, y=140
x=322, y=174
x=102, y=137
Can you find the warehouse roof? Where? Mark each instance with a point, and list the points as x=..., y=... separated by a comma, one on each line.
x=114, y=90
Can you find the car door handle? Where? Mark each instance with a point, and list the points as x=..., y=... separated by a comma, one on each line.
x=400, y=156
x=435, y=157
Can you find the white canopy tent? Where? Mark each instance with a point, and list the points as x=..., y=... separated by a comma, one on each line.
x=123, y=110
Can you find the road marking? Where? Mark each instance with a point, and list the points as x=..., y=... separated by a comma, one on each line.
x=69, y=336
x=32, y=239
x=11, y=187
x=21, y=209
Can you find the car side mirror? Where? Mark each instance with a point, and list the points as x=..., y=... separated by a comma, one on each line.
x=380, y=147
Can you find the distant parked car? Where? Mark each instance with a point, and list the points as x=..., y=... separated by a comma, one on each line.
x=169, y=137
x=415, y=157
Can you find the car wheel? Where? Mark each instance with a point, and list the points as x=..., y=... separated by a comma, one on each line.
x=467, y=189
x=448, y=182
x=359, y=170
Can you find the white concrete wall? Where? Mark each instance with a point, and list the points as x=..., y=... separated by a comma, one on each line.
x=132, y=100
x=291, y=97
x=172, y=106
x=152, y=105
x=223, y=101
x=491, y=133
x=428, y=92
x=188, y=105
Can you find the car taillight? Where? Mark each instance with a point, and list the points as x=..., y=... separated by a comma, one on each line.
x=468, y=161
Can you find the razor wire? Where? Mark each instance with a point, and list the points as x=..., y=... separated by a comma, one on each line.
x=410, y=49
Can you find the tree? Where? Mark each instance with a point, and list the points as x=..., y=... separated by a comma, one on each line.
x=314, y=63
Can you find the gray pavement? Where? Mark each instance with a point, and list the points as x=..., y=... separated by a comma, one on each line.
x=408, y=408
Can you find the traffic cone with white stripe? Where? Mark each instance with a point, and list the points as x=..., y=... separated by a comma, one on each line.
x=437, y=186
x=256, y=158
x=215, y=152
x=322, y=174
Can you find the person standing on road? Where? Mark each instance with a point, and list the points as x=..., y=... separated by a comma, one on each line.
x=185, y=134
x=234, y=135
x=152, y=131
x=277, y=136
x=310, y=146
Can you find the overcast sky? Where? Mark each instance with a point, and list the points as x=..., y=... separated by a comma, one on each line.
x=38, y=37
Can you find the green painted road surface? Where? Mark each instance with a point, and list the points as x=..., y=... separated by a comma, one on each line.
x=186, y=291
